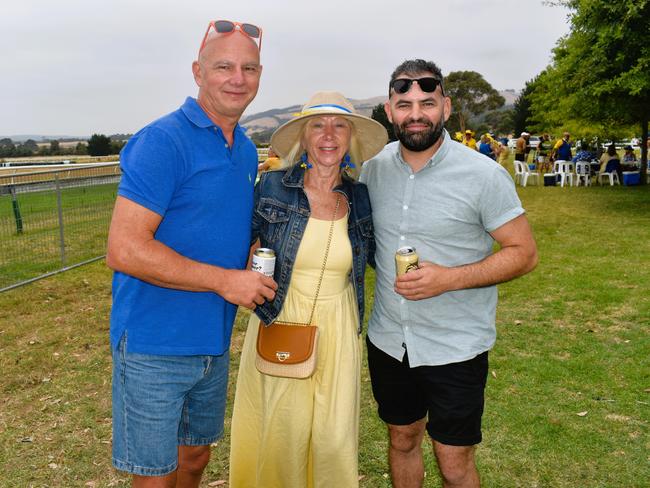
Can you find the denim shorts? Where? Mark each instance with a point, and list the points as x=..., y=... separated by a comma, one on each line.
x=162, y=402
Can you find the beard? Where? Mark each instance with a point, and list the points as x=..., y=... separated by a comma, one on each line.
x=419, y=141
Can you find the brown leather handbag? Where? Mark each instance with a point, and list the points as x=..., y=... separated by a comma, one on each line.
x=288, y=349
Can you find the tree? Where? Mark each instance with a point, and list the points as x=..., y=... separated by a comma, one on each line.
x=81, y=149
x=379, y=114
x=522, y=116
x=599, y=72
x=263, y=137
x=99, y=145
x=55, y=148
x=31, y=145
x=116, y=146
x=7, y=147
x=471, y=95
x=23, y=151
x=499, y=121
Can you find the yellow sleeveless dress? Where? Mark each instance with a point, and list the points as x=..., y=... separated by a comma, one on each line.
x=290, y=433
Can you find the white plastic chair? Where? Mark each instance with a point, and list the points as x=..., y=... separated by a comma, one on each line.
x=610, y=173
x=583, y=173
x=519, y=172
x=569, y=171
x=565, y=170
x=523, y=172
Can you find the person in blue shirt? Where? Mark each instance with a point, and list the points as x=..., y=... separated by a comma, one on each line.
x=562, y=149
x=485, y=147
x=178, y=243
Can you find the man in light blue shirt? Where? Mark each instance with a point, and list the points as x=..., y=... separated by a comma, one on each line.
x=430, y=330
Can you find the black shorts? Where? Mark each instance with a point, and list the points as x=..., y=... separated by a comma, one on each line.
x=451, y=395
x=520, y=157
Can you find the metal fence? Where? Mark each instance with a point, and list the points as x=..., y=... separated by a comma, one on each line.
x=53, y=220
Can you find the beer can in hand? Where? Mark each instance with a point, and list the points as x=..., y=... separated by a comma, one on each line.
x=406, y=259
x=264, y=261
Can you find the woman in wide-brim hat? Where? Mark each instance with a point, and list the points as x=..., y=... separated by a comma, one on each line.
x=304, y=432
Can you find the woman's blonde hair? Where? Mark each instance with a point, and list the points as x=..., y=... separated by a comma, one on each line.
x=297, y=149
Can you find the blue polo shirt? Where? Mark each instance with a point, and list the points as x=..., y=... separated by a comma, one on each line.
x=181, y=168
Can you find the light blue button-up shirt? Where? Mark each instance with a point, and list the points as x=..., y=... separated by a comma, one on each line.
x=446, y=211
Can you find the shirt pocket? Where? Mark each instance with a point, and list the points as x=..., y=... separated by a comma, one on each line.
x=275, y=221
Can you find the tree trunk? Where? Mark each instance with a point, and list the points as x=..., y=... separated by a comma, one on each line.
x=461, y=122
x=644, y=151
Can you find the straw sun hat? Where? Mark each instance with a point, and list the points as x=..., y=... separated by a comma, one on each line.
x=371, y=135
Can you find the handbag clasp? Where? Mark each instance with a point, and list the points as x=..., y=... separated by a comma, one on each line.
x=282, y=356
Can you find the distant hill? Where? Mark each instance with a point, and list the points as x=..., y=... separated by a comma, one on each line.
x=42, y=138
x=264, y=123
x=20, y=138
x=510, y=95
x=270, y=120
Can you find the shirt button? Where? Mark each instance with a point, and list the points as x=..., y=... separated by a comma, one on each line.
x=402, y=300
x=401, y=238
x=406, y=327
x=411, y=177
x=405, y=207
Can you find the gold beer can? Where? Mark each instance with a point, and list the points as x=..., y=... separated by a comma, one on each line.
x=406, y=259
x=264, y=261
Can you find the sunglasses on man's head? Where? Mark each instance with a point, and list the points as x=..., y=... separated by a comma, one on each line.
x=228, y=27
x=403, y=85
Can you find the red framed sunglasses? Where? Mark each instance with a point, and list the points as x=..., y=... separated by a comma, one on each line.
x=228, y=27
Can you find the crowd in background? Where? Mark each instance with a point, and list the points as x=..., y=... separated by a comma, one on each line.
x=548, y=149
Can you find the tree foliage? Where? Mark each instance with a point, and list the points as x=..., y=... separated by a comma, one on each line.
x=262, y=137
x=99, y=145
x=471, y=95
x=31, y=145
x=600, y=71
x=9, y=149
x=522, y=119
x=55, y=148
x=498, y=121
x=81, y=149
x=379, y=114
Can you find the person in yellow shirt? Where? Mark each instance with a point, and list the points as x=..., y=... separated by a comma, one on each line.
x=272, y=162
x=469, y=140
x=562, y=149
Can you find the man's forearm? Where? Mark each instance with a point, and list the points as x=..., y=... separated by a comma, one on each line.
x=504, y=265
x=160, y=265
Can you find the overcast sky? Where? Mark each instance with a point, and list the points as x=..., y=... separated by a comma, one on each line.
x=72, y=67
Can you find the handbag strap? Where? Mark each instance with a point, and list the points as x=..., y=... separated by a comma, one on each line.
x=327, y=251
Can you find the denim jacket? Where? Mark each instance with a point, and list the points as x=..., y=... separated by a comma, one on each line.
x=280, y=215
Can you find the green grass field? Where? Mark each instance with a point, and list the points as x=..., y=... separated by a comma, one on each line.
x=568, y=395
x=86, y=216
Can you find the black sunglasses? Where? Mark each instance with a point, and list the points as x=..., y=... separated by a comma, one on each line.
x=403, y=85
